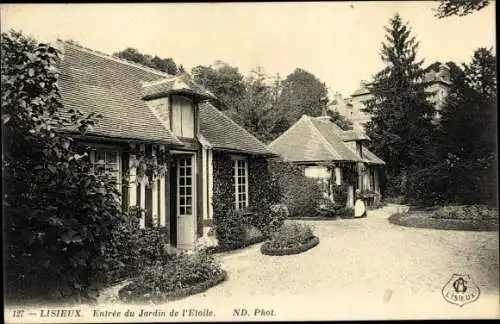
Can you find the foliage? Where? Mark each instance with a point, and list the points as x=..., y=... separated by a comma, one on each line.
x=300, y=194
x=339, y=120
x=180, y=272
x=422, y=220
x=256, y=108
x=229, y=229
x=150, y=166
x=223, y=80
x=290, y=235
x=301, y=93
x=166, y=65
x=136, y=247
x=467, y=212
x=465, y=167
x=449, y=8
x=401, y=128
x=52, y=248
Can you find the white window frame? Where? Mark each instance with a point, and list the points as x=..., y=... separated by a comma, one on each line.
x=235, y=159
x=109, y=148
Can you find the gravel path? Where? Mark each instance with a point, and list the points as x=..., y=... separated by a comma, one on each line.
x=361, y=257
x=368, y=255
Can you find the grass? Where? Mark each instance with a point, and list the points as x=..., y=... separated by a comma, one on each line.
x=423, y=220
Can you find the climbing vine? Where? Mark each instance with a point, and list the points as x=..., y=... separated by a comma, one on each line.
x=149, y=167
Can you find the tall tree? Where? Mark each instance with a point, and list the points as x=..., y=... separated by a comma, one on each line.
x=255, y=109
x=449, y=8
x=468, y=132
x=225, y=81
x=301, y=93
x=401, y=128
x=163, y=64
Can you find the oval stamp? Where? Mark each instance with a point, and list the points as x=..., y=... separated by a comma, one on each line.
x=461, y=290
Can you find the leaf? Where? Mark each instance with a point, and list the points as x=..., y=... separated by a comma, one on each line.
x=5, y=118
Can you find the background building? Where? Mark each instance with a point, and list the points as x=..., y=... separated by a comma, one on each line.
x=437, y=77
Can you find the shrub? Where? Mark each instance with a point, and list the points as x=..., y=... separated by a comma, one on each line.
x=229, y=229
x=291, y=235
x=300, y=194
x=181, y=272
x=339, y=193
x=267, y=220
x=467, y=212
x=136, y=247
x=59, y=216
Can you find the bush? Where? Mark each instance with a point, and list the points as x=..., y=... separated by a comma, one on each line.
x=59, y=215
x=181, y=275
x=291, y=235
x=300, y=194
x=267, y=220
x=136, y=248
x=467, y=212
x=229, y=229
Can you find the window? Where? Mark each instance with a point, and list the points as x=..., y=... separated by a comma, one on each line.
x=183, y=117
x=107, y=161
x=240, y=172
x=185, y=185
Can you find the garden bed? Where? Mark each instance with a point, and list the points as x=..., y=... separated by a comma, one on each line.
x=221, y=249
x=133, y=294
x=267, y=249
x=423, y=220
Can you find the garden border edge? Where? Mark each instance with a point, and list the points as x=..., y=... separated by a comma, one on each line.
x=180, y=293
x=296, y=250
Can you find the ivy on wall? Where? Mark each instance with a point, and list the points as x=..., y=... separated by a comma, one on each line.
x=263, y=187
x=223, y=187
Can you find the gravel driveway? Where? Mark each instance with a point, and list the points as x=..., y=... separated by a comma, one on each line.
x=357, y=258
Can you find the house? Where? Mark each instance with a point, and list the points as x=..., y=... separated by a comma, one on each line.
x=160, y=138
x=331, y=155
x=437, y=80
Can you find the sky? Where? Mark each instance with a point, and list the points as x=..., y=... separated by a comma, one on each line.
x=339, y=42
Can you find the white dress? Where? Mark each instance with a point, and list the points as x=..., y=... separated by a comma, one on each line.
x=359, y=208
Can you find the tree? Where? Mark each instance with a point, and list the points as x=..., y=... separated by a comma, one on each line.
x=449, y=8
x=468, y=131
x=301, y=93
x=340, y=120
x=401, y=128
x=255, y=108
x=131, y=54
x=58, y=215
x=223, y=80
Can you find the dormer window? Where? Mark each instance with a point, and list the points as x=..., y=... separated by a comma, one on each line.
x=183, y=117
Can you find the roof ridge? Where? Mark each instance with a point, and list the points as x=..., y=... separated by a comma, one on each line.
x=237, y=125
x=116, y=59
x=322, y=138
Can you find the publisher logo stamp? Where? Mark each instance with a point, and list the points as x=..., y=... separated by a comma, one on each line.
x=461, y=290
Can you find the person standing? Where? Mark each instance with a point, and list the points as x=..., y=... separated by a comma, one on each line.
x=359, y=206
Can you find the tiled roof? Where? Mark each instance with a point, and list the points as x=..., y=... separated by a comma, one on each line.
x=94, y=82
x=221, y=132
x=371, y=158
x=305, y=142
x=319, y=139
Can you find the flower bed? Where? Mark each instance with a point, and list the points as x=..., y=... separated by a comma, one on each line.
x=183, y=275
x=291, y=238
x=424, y=220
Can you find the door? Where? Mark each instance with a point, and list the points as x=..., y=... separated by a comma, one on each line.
x=185, y=201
